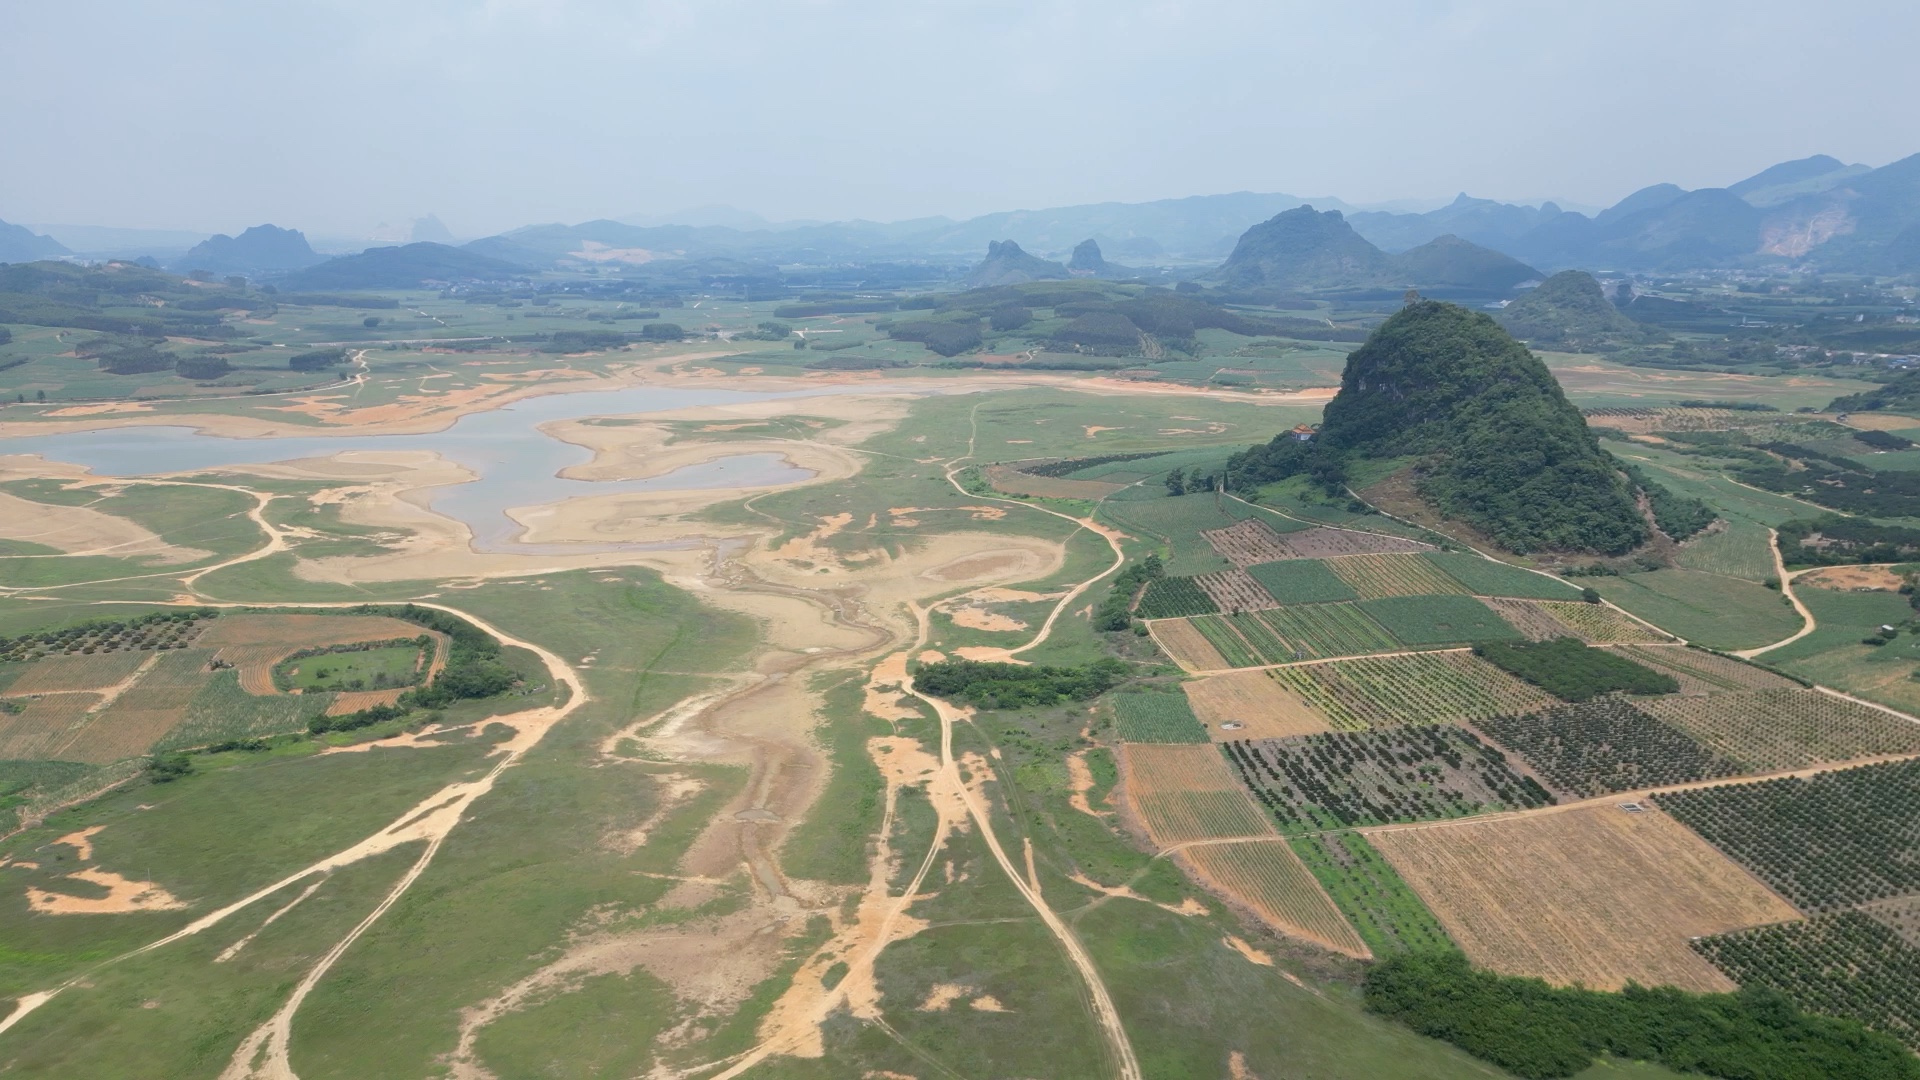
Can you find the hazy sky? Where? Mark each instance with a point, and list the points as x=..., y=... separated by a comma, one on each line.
x=334, y=115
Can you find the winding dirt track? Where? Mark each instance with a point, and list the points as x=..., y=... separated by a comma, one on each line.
x=1780, y=571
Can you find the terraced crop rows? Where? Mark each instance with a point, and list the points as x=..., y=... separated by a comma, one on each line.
x=1379, y=575
x=1270, y=879
x=1605, y=746
x=1415, y=688
x=1776, y=730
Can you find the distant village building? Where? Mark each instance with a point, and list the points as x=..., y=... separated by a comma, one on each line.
x=1304, y=433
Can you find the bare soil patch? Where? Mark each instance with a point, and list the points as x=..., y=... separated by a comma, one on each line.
x=1254, y=704
x=1593, y=895
x=1851, y=579
x=82, y=530
x=123, y=896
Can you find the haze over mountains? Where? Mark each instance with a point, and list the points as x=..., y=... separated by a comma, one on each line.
x=1817, y=212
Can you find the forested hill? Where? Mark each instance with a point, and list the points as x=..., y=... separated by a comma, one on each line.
x=1495, y=441
x=1569, y=308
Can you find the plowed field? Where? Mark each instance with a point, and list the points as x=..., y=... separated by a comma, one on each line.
x=1269, y=879
x=1593, y=895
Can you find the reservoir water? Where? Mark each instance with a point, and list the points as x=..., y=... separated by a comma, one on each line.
x=517, y=465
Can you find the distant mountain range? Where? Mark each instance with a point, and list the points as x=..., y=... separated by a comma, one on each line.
x=263, y=249
x=1304, y=249
x=1817, y=212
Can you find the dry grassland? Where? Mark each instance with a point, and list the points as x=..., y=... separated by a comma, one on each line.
x=116, y=734
x=1377, y=576
x=1187, y=646
x=64, y=674
x=1270, y=879
x=1263, y=708
x=1187, y=792
x=1591, y=895
x=254, y=643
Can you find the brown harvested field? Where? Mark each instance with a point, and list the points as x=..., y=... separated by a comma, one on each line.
x=1775, y=730
x=81, y=671
x=1592, y=895
x=1186, y=792
x=254, y=643
x=42, y=723
x=1376, y=576
x=353, y=701
x=1526, y=617
x=1234, y=590
x=1014, y=482
x=1702, y=672
x=1187, y=646
x=1259, y=704
x=170, y=683
x=1269, y=879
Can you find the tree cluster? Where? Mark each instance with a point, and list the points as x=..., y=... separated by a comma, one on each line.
x=987, y=685
x=1572, y=670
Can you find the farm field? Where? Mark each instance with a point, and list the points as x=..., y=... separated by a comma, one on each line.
x=1702, y=672
x=1386, y=913
x=1288, y=634
x=1776, y=730
x=1373, y=577
x=1605, y=746
x=1246, y=543
x=1417, y=688
x=1740, y=549
x=364, y=669
x=1014, y=482
x=64, y=674
x=1271, y=880
x=255, y=643
x=1708, y=609
x=1163, y=717
x=1301, y=581
x=1178, y=522
x=1901, y=915
x=1597, y=624
x=1234, y=591
x=1250, y=545
x=1592, y=895
x=1342, y=779
x=1487, y=577
x=1825, y=842
x=1255, y=704
x=1187, y=645
x=1174, y=597
x=1844, y=964
x=164, y=630
x=1438, y=620
x=1185, y=793
x=1528, y=618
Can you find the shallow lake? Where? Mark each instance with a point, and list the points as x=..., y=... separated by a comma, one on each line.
x=517, y=465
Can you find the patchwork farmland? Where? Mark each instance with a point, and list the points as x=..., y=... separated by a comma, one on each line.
x=1594, y=895
x=1411, y=688
x=1185, y=793
x=1270, y=879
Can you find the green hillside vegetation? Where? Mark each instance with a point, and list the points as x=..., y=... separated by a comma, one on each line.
x=1495, y=442
x=1571, y=311
x=1572, y=670
x=1450, y=262
x=1085, y=317
x=117, y=299
x=1901, y=394
x=1303, y=248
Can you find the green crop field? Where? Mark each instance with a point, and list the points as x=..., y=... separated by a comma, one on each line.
x=1708, y=609
x=1486, y=577
x=1176, y=523
x=1162, y=717
x=1438, y=620
x=1384, y=909
x=1173, y=597
x=1301, y=581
